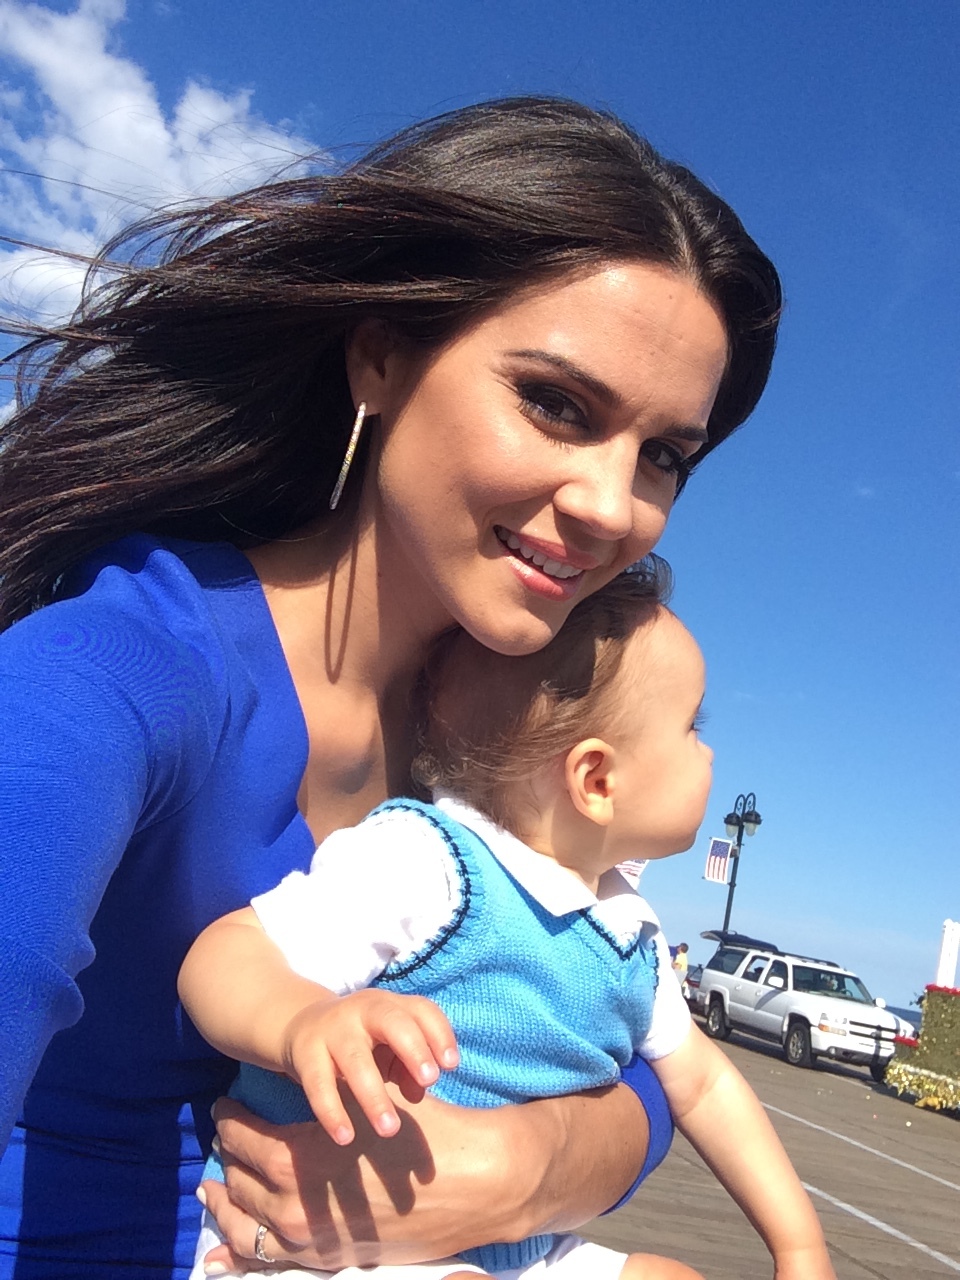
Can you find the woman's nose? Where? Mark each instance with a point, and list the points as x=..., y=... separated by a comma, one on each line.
x=600, y=496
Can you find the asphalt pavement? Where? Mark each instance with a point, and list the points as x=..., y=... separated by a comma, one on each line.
x=883, y=1174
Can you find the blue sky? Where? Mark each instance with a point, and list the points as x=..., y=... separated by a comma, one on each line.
x=816, y=553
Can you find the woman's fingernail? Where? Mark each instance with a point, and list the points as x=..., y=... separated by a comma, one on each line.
x=215, y=1145
x=387, y=1124
x=450, y=1057
x=202, y=1196
x=215, y=1268
x=343, y=1135
x=428, y=1072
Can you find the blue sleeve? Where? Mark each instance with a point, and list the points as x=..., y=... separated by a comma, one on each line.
x=92, y=726
x=639, y=1076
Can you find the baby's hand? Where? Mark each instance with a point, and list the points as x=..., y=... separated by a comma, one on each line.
x=335, y=1038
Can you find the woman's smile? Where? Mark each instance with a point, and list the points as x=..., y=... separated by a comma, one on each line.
x=546, y=568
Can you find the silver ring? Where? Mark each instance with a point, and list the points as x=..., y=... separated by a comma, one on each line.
x=262, y=1230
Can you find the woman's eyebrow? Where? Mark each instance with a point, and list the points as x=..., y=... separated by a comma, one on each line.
x=688, y=431
x=600, y=389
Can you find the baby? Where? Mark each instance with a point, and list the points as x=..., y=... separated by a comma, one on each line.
x=487, y=947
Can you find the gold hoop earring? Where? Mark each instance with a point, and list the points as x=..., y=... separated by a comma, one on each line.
x=348, y=456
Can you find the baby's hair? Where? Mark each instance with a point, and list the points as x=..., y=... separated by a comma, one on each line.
x=490, y=722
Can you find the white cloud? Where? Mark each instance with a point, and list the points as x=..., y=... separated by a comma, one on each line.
x=76, y=111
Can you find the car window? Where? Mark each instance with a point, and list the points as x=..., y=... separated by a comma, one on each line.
x=725, y=960
x=777, y=970
x=825, y=982
x=755, y=968
x=805, y=979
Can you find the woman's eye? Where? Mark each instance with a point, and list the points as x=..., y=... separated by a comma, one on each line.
x=699, y=720
x=667, y=458
x=551, y=405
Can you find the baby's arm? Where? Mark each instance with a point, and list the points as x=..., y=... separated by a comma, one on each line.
x=715, y=1108
x=246, y=1001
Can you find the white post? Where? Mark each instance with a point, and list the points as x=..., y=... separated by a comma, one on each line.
x=949, y=949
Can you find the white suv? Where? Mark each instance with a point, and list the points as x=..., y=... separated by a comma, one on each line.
x=810, y=1007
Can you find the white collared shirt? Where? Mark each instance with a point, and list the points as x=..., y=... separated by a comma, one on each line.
x=381, y=890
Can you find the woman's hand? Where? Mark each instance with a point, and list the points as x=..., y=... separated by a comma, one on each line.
x=451, y=1178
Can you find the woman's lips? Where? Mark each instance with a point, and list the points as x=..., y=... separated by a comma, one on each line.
x=554, y=561
x=538, y=566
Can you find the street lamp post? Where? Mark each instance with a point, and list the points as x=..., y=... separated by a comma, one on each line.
x=743, y=820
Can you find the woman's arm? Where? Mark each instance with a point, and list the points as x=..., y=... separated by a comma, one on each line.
x=710, y=1100
x=73, y=774
x=452, y=1178
x=91, y=690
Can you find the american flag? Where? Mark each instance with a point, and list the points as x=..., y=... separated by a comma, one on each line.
x=718, y=860
x=632, y=870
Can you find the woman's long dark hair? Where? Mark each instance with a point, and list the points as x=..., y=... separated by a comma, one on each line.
x=202, y=390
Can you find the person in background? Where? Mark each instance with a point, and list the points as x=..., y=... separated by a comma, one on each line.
x=678, y=962
x=287, y=440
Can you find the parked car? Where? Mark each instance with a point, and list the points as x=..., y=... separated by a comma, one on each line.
x=810, y=1007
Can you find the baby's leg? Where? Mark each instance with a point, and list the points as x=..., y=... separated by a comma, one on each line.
x=649, y=1266
x=576, y=1259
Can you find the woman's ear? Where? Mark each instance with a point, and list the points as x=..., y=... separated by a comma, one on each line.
x=373, y=362
x=588, y=772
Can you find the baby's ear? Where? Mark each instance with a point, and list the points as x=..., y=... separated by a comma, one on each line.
x=588, y=772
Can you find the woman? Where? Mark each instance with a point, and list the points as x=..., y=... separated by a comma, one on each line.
x=459, y=384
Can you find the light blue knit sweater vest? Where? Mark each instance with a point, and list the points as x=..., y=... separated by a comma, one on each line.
x=542, y=1005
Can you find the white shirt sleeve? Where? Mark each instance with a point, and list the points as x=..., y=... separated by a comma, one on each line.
x=374, y=893
x=670, y=1020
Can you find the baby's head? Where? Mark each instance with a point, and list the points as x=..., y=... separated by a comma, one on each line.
x=600, y=725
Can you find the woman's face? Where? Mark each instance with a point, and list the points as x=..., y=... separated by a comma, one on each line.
x=530, y=459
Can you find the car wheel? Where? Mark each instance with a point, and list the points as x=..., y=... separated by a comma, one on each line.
x=797, y=1050
x=879, y=1070
x=717, y=1025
